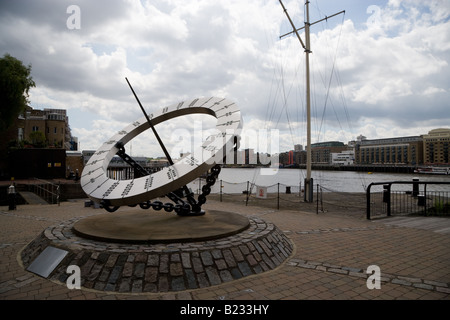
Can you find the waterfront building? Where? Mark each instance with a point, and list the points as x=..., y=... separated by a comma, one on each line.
x=292, y=158
x=393, y=151
x=321, y=152
x=119, y=169
x=52, y=123
x=436, y=147
x=343, y=158
x=298, y=148
x=246, y=156
x=36, y=143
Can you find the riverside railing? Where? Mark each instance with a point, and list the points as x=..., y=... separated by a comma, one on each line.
x=276, y=194
x=407, y=197
x=284, y=196
x=47, y=190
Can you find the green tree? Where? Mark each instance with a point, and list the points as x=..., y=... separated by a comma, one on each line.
x=15, y=82
x=38, y=139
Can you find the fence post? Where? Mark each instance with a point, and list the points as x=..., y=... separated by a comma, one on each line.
x=246, y=201
x=415, y=192
x=220, y=190
x=387, y=198
x=317, y=206
x=300, y=189
x=278, y=197
x=368, y=201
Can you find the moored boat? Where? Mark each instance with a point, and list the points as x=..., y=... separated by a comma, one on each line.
x=433, y=170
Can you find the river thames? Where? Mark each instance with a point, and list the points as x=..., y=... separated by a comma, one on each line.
x=234, y=180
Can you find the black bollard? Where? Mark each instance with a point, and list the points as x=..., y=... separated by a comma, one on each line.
x=12, y=197
x=415, y=192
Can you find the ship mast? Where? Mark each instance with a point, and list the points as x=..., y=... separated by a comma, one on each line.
x=307, y=47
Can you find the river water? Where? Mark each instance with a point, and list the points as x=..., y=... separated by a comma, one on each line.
x=234, y=180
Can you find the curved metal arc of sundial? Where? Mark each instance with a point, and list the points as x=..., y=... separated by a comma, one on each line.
x=99, y=187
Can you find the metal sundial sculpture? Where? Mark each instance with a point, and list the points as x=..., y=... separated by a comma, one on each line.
x=171, y=181
x=157, y=237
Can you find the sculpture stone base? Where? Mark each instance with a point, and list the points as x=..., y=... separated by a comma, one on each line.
x=188, y=261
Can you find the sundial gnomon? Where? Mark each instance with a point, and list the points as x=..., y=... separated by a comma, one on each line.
x=170, y=181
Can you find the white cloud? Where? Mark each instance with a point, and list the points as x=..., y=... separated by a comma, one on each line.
x=373, y=79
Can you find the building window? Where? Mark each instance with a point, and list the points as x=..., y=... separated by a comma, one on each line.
x=35, y=128
x=20, y=134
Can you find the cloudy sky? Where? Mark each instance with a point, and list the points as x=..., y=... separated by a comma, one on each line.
x=380, y=70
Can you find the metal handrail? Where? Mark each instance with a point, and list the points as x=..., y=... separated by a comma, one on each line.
x=387, y=189
x=54, y=194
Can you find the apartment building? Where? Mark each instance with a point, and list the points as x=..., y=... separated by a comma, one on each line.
x=436, y=147
x=53, y=123
x=401, y=150
x=321, y=153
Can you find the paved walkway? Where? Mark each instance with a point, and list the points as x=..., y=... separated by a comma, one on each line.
x=435, y=224
x=332, y=254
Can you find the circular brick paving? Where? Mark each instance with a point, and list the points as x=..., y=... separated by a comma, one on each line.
x=163, y=267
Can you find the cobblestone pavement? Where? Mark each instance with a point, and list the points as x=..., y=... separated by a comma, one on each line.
x=330, y=261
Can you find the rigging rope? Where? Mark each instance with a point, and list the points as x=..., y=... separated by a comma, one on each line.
x=327, y=96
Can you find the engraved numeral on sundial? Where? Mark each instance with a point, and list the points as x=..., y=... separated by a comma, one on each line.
x=226, y=114
x=165, y=109
x=92, y=171
x=127, y=189
x=111, y=142
x=193, y=102
x=171, y=174
x=227, y=123
x=218, y=135
x=136, y=123
x=180, y=105
x=110, y=189
x=123, y=132
x=148, y=182
x=192, y=161
x=209, y=148
x=225, y=107
x=206, y=102
x=217, y=103
x=92, y=163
